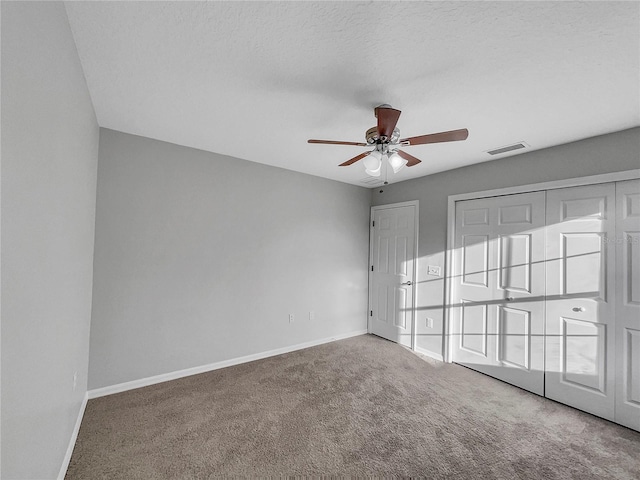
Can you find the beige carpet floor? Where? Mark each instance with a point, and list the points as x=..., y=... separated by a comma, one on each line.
x=362, y=406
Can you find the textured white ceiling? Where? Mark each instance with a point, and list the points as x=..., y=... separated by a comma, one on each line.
x=255, y=80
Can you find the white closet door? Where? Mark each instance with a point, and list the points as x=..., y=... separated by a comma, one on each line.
x=580, y=317
x=498, y=288
x=627, y=246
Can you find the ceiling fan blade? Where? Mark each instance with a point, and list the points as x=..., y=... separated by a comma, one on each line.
x=451, y=136
x=411, y=160
x=336, y=142
x=387, y=120
x=354, y=159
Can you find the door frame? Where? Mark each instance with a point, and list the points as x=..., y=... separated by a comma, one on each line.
x=534, y=187
x=414, y=292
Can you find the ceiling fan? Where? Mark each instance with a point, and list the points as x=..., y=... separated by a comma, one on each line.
x=385, y=138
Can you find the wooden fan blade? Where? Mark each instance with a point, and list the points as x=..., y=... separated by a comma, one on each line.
x=336, y=142
x=354, y=159
x=387, y=120
x=411, y=160
x=451, y=136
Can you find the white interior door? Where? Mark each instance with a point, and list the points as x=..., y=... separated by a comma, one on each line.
x=580, y=320
x=627, y=330
x=498, y=288
x=393, y=235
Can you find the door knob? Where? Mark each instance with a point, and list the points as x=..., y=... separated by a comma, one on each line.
x=407, y=283
x=578, y=309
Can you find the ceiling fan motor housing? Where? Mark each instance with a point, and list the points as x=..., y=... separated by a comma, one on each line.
x=373, y=138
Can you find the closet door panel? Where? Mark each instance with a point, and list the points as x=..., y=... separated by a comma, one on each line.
x=498, y=288
x=627, y=246
x=580, y=315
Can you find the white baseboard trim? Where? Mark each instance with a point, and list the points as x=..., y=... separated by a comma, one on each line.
x=165, y=377
x=72, y=440
x=435, y=356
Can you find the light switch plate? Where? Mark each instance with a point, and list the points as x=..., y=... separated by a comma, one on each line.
x=433, y=270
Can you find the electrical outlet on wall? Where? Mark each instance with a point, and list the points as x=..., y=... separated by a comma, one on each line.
x=312, y=316
x=291, y=318
x=75, y=380
x=429, y=322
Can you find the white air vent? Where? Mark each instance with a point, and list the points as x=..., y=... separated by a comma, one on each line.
x=508, y=148
x=372, y=181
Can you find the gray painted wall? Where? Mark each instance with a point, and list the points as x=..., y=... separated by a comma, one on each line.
x=608, y=153
x=49, y=161
x=200, y=258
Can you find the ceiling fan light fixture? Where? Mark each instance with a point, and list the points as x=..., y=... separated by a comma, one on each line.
x=374, y=173
x=396, y=162
x=373, y=163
